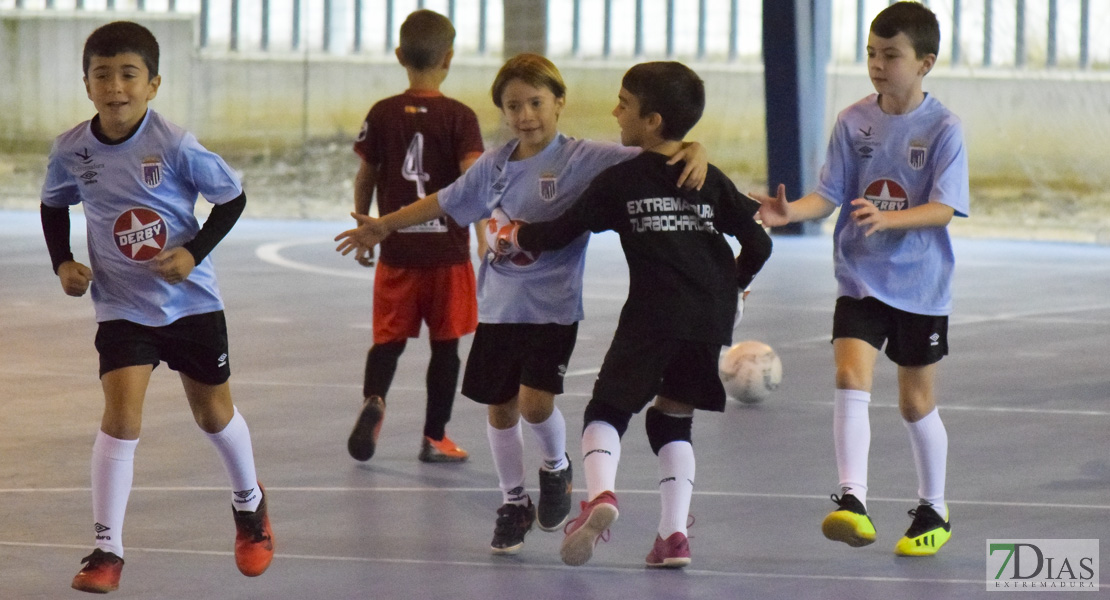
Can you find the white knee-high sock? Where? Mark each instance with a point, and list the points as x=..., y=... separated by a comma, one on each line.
x=852, y=439
x=507, y=447
x=929, y=440
x=601, y=455
x=233, y=444
x=552, y=438
x=676, y=487
x=113, y=470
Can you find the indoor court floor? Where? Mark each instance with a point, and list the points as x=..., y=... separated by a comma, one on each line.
x=1024, y=395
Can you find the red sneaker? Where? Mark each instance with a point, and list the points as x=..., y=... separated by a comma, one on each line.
x=672, y=553
x=592, y=525
x=254, y=540
x=433, y=451
x=100, y=574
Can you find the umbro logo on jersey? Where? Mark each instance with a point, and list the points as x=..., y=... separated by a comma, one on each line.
x=140, y=234
x=866, y=132
x=934, y=339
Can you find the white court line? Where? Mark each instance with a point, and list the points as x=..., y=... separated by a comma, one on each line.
x=494, y=564
x=271, y=253
x=475, y=490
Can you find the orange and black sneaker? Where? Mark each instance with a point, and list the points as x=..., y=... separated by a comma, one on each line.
x=437, y=451
x=254, y=540
x=100, y=574
x=364, y=437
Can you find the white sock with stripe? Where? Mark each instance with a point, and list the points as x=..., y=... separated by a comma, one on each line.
x=601, y=455
x=113, y=470
x=233, y=444
x=852, y=440
x=676, y=487
x=929, y=441
x=507, y=447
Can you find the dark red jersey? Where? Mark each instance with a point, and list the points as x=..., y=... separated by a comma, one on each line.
x=416, y=140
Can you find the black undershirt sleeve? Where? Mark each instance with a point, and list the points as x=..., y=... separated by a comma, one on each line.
x=219, y=222
x=755, y=249
x=55, y=227
x=550, y=235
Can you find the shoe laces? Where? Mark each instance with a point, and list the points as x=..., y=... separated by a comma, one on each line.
x=100, y=557
x=251, y=524
x=601, y=537
x=509, y=516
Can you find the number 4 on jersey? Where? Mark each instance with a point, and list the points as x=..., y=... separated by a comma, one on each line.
x=413, y=169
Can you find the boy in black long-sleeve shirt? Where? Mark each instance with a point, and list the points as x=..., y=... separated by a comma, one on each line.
x=682, y=299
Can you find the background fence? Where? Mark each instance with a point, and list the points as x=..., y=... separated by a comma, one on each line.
x=1031, y=34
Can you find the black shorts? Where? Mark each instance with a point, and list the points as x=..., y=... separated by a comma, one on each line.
x=636, y=369
x=505, y=356
x=195, y=345
x=912, y=340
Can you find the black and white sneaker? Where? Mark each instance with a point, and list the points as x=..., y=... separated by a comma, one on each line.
x=514, y=521
x=555, y=501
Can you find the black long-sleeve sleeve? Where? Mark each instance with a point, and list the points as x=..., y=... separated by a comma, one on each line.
x=220, y=221
x=551, y=235
x=55, y=227
x=755, y=249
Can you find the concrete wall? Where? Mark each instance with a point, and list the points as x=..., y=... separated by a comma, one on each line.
x=1043, y=127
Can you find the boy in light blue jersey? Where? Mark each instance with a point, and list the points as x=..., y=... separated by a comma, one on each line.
x=153, y=285
x=528, y=307
x=897, y=168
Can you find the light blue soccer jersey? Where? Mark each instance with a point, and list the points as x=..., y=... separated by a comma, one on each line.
x=540, y=287
x=896, y=162
x=138, y=199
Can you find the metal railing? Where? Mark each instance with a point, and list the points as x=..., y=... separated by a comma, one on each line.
x=987, y=33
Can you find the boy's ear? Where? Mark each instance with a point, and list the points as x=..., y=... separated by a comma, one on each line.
x=446, y=64
x=399, y=55
x=927, y=64
x=655, y=123
x=154, y=83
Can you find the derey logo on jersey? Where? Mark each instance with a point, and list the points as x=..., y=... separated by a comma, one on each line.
x=140, y=234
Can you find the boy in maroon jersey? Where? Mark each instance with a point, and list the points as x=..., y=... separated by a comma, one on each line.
x=411, y=145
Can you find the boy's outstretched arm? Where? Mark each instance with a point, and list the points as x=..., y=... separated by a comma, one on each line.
x=370, y=231
x=776, y=211
x=932, y=214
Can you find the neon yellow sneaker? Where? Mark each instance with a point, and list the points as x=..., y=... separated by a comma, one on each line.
x=849, y=523
x=926, y=534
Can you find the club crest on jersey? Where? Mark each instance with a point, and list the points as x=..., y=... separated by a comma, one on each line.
x=152, y=171
x=886, y=194
x=140, y=234
x=547, y=187
x=918, y=154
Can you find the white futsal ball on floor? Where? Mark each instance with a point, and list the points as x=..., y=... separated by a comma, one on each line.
x=750, y=371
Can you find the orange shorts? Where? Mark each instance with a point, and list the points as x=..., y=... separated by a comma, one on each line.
x=442, y=297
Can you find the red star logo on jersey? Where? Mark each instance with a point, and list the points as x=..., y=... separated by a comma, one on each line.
x=140, y=234
x=887, y=194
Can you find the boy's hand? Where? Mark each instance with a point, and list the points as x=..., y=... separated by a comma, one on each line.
x=696, y=167
x=773, y=212
x=174, y=265
x=369, y=233
x=75, y=278
x=866, y=214
x=365, y=257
